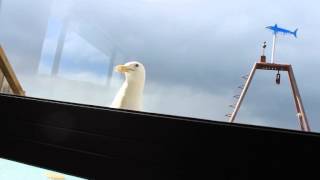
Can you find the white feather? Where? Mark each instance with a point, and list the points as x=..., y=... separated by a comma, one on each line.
x=130, y=95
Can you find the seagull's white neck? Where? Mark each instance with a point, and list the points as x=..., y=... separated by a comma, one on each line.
x=131, y=93
x=134, y=87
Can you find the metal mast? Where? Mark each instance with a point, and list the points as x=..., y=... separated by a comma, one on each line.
x=263, y=65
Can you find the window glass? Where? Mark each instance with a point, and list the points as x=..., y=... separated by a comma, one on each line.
x=9, y=169
x=194, y=54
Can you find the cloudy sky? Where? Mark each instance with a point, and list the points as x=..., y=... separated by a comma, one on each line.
x=195, y=52
x=198, y=48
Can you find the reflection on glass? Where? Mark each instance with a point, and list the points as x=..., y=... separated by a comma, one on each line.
x=194, y=53
x=0, y=5
x=10, y=170
x=50, y=43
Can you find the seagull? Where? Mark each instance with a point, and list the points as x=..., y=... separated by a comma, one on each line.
x=130, y=95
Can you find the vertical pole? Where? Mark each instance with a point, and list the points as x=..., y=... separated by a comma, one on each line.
x=113, y=58
x=243, y=93
x=60, y=46
x=298, y=102
x=0, y=6
x=273, y=47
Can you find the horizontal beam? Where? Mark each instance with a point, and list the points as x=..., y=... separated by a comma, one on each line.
x=272, y=66
x=103, y=143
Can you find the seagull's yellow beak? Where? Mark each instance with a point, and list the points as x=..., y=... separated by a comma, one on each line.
x=122, y=69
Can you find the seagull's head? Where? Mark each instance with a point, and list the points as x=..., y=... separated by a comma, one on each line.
x=134, y=71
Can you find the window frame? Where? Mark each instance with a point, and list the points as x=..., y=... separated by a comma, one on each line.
x=103, y=143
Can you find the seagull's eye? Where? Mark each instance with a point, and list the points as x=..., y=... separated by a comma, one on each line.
x=137, y=65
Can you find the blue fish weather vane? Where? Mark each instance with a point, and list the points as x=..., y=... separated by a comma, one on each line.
x=276, y=30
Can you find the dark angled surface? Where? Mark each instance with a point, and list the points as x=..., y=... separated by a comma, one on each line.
x=101, y=143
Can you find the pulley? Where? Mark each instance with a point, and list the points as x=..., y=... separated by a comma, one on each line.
x=278, y=76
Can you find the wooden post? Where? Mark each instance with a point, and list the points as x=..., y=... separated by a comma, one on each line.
x=298, y=101
x=1, y=79
x=9, y=74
